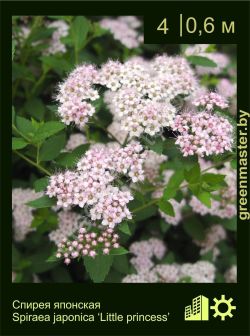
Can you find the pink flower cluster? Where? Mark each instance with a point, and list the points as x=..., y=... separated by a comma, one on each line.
x=55, y=44
x=74, y=95
x=144, y=251
x=152, y=165
x=124, y=30
x=226, y=88
x=87, y=244
x=214, y=235
x=75, y=140
x=210, y=100
x=22, y=213
x=91, y=185
x=231, y=274
x=68, y=223
x=203, y=133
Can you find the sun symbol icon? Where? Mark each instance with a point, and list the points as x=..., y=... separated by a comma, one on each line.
x=223, y=307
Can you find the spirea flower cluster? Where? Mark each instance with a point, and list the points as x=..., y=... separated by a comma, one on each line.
x=210, y=101
x=90, y=184
x=148, y=271
x=87, y=243
x=231, y=274
x=68, y=223
x=22, y=213
x=203, y=133
x=141, y=92
x=75, y=140
x=55, y=43
x=214, y=235
x=124, y=29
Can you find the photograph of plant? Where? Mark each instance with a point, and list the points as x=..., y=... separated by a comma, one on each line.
x=124, y=155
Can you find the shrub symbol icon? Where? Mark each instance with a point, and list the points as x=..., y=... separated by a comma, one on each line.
x=219, y=302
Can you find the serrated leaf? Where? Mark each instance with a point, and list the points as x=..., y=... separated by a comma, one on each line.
x=41, y=184
x=98, y=267
x=52, y=147
x=173, y=185
x=124, y=227
x=202, y=61
x=205, y=198
x=166, y=207
x=18, y=143
x=42, y=202
x=118, y=251
x=69, y=160
x=213, y=179
x=193, y=175
x=194, y=228
x=79, y=30
x=35, y=108
x=25, y=126
x=48, y=129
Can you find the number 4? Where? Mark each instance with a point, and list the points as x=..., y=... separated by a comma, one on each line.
x=163, y=26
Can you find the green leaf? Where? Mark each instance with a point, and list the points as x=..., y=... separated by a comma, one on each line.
x=157, y=145
x=69, y=160
x=79, y=30
x=173, y=185
x=230, y=224
x=200, y=60
x=124, y=227
x=205, y=198
x=60, y=65
x=25, y=126
x=164, y=226
x=166, y=207
x=193, y=175
x=52, y=147
x=52, y=259
x=121, y=264
x=98, y=267
x=41, y=184
x=118, y=251
x=35, y=108
x=42, y=202
x=98, y=30
x=213, y=179
x=194, y=228
x=18, y=143
x=48, y=129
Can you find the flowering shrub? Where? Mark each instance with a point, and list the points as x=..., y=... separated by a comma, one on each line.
x=123, y=155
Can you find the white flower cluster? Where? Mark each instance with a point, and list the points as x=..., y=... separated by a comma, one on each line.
x=68, y=223
x=148, y=251
x=22, y=213
x=75, y=140
x=231, y=274
x=55, y=44
x=141, y=92
x=214, y=235
x=124, y=29
x=90, y=184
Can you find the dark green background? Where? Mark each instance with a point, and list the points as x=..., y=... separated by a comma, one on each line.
x=125, y=298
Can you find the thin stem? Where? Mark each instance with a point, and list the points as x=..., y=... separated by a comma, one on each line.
x=105, y=130
x=20, y=133
x=154, y=201
x=33, y=163
x=125, y=141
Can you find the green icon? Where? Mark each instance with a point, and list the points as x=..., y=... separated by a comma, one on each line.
x=199, y=310
x=224, y=302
